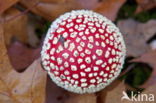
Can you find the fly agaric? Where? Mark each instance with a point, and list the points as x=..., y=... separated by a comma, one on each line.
x=83, y=51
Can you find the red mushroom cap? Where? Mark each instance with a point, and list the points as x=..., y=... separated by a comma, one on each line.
x=83, y=51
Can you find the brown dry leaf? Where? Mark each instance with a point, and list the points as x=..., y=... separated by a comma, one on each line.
x=16, y=27
x=148, y=94
x=53, y=1
x=149, y=58
x=150, y=90
x=112, y=93
x=136, y=35
x=145, y=5
x=5, y=4
x=81, y=98
x=88, y=4
x=26, y=87
x=21, y=56
x=55, y=94
x=50, y=10
x=109, y=8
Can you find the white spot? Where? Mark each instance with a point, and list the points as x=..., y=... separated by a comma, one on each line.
x=92, y=81
x=80, y=60
x=87, y=51
x=107, y=41
x=113, y=52
x=107, y=54
x=110, y=60
x=65, y=34
x=95, y=68
x=84, y=84
x=105, y=79
x=79, y=48
x=90, y=75
x=59, y=60
x=106, y=34
x=79, y=20
x=66, y=72
x=78, y=39
x=110, y=75
x=81, y=33
x=111, y=37
x=94, y=57
x=102, y=37
x=73, y=34
x=66, y=64
x=99, y=52
x=101, y=30
x=61, y=68
x=101, y=73
x=98, y=62
x=65, y=55
x=52, y=51
x=87, y=31
x=76, y=27
x=93, y=30
x=59, y=30
x=90, y=38
x=55, y=40
x=75, y=53
x=71, y=30
x=71, y=47
x=107, y=68
x=82, y=44
x=52, y=65
x=82, y=74
x=114, y=66
x=90, y=46
x=103, y=44
x=82, y=66
x=83, y=80
x=82, y=54
x=73, y=68
x=88, y=69
x=97, y=43
x=72, y=60
x=76, y=76
x=62, y=76
x=88, y=60
x=84, y=38
x=105, y=75
x=95, y=74
x=97, y=35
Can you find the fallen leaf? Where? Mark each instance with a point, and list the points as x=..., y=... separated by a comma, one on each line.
x=136, y=35
x=53, y=1
x=5, y=4
x=50, y=11
x=88, y=4
x=144, y=97
x=113, y=93
x=26, y=87
x=21, y=56
x=54, y=93
x=14, y=26
x=150, y=91
x=82, y=98
x=144, y=5
x=149, y=58
x=109, y=8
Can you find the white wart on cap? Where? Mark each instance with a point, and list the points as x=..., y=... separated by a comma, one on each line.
x=83, y=51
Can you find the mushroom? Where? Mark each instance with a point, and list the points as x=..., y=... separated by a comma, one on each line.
x=83, y=51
